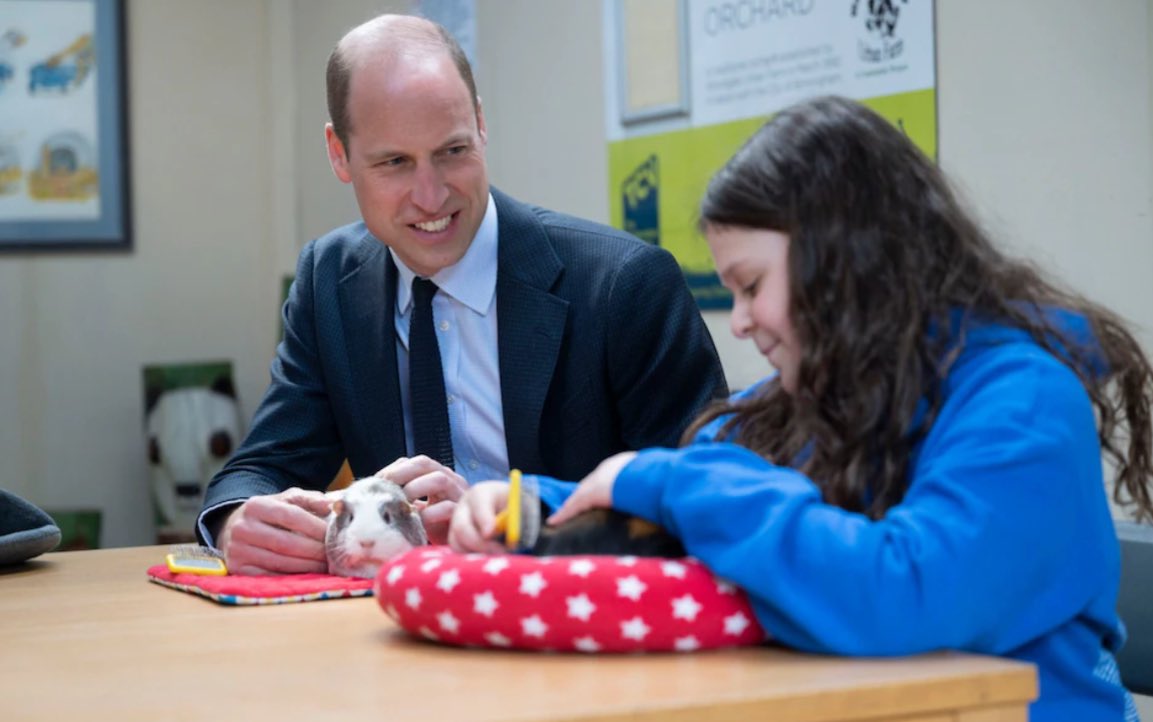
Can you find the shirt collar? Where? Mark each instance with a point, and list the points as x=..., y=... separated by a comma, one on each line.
x=471, y=280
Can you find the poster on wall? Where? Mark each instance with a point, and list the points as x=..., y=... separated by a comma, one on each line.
x=63, y=143
x=687, y=81
x=191, y=425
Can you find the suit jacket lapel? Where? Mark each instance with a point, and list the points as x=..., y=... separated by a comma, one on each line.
x=367, y=302
x=531, y=322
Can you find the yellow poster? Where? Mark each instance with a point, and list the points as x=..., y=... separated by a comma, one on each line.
x=685, y=93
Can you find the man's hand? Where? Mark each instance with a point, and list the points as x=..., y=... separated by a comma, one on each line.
x=474, y=520
x=276, y=534
x=434, y=488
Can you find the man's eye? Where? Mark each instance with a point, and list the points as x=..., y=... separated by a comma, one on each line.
x=457, y=149
x=390, y=162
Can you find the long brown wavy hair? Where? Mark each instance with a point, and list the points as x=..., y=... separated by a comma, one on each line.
x=880, y=253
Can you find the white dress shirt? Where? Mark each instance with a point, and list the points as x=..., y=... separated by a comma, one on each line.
x=464, y=311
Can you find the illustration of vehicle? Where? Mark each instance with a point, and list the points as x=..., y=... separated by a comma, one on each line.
x=57, y=74
x=67, y=169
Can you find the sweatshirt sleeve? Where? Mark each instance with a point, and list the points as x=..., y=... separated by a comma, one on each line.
x=991, y=546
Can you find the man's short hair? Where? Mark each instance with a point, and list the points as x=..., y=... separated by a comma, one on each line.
x=338, y=77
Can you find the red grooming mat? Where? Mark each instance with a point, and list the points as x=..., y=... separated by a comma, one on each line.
x=240, y=589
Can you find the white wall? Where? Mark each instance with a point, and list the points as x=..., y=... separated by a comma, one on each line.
x=1044, y=119
x=77, y=328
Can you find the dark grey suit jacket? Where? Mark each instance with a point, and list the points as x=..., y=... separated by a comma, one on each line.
x=601, y=346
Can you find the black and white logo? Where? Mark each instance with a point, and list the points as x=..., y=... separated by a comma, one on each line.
x=880, y=41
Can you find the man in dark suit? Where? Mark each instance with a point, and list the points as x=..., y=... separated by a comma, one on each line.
x=600, y=346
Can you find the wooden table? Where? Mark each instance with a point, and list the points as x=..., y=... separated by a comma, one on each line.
x=84, y=635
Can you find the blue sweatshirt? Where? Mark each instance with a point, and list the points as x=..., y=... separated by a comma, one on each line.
x=1003, y=545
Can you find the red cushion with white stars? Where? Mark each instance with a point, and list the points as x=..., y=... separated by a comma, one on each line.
x=564, y=603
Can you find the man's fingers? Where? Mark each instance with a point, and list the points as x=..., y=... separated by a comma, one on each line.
x=438, y=513
x=316, y=504
x=257, y=561
x=287, y=515
x=438, y=485
x=277, y=540
x=406, y=468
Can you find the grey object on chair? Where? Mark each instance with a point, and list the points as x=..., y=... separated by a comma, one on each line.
x=25, y=530
x=1135, y=605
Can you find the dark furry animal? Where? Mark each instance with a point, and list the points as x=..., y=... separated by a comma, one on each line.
x=606, y=531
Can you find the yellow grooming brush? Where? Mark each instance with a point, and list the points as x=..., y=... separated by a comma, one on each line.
x=520, y=520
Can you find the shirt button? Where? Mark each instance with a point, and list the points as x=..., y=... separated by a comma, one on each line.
x=451, y=398
x=444, y=325
x=473, y=464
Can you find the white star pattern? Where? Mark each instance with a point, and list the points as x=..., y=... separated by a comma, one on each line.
x=736, y=623
x=580, y=607
x=484, y=604
x=631, y=587
x=448, y=622
x=394, y=575
x=497, y=639
x=589, y=604
x=496, y=566
x=532, y=584
x=581, y=567
x=586, y=644
x=635, y=628
x=533, y=626
x=412, y=598
x=686, y=644
x=448, y=580
x=686, y=608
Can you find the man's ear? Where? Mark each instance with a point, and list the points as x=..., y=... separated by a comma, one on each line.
x=337, y=157
x=480, y=126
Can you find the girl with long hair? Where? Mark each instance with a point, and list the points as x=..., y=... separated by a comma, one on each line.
x=923, y=470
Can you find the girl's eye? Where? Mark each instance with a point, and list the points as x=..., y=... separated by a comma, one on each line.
x=750, y=290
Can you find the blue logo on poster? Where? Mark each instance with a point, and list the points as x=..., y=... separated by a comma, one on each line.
x=641, y=194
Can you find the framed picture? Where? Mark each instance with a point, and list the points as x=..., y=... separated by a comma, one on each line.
x=652, y=47
x=63, y=129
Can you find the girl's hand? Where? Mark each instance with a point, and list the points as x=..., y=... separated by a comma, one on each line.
x=595, y=490
x=473, y=523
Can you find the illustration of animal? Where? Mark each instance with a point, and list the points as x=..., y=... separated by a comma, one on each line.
x=371, y=522
x=191, y=432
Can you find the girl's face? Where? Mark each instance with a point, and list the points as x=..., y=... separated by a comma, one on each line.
x=753, y=263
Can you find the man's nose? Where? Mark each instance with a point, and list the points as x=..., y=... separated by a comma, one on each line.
x=429, y=191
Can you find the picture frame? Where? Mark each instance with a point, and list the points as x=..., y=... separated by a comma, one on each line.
x=64, y=152
x=653, y=51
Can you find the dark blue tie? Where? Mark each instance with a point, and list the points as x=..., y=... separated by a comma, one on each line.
x=431, y=433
